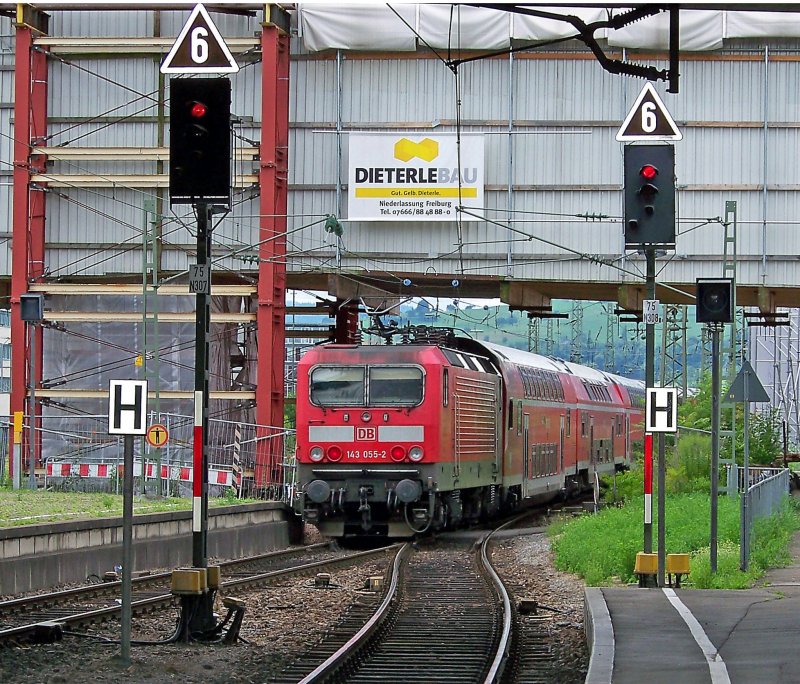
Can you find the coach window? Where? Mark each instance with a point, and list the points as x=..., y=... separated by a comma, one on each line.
x=569, y=422
x=394, y=386
x=337, y=386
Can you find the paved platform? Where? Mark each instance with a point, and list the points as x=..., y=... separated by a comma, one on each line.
x=690, y=636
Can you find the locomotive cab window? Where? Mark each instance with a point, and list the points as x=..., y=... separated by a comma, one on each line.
x=337, y=386
x=395, y=386
x=360, y=386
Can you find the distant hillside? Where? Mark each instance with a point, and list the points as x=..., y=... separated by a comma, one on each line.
x=499, y=325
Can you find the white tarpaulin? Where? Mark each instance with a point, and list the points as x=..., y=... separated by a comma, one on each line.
x=376, y=26
x=407, y=177
x=699, y=30
x=461, y=26
x=358, y=27
x=535, y=28
x=762, y=24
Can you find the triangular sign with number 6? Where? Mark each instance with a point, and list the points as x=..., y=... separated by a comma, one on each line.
x=199, y=48
x=648, y=119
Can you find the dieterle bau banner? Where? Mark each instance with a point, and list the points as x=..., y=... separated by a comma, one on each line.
x=402, y=177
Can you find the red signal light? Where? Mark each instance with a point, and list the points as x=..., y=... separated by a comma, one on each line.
x=648, y=172
x=198, y=110
x=334, y=452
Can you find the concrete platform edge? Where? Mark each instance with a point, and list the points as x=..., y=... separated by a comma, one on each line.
x=599, y=637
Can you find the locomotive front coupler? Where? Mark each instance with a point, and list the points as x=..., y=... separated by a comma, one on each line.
x=364, y=509
x=422, y=514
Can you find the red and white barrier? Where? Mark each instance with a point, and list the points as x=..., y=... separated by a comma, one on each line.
x=105, y=470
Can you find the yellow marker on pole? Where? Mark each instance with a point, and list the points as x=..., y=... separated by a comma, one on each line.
x=17, y=427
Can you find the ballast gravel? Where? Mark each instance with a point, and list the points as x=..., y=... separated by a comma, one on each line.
x=281, y=622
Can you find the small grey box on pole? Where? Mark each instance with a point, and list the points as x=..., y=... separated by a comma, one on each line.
x=32, y=312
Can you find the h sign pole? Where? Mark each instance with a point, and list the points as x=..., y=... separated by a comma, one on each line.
x=127, y=409
x=661, y=416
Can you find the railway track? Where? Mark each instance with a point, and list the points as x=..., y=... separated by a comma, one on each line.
x=444, y=617
x=75, y=608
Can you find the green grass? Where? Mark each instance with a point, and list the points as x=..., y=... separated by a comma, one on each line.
x=28, y=507
x=602, y=548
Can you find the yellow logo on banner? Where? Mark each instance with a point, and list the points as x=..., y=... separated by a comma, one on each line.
x=405, y=149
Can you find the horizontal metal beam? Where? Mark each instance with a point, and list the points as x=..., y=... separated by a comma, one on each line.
x=114, y=180
x=135, y=289
x=137, y=317
x=62, y=393
x=124, y=46
x=121, y=154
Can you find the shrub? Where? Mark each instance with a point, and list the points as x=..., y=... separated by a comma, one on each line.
x=629, y=486
x=603, y=547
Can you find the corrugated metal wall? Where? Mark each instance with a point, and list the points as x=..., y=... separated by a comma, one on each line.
x=556, y=151
x=564, y=159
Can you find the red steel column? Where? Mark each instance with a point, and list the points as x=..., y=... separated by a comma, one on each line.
x=346, y=323
x=28, y=214
x=271, y=311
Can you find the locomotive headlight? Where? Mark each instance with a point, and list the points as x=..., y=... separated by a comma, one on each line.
x=415, y=453
x=316, y=454
x=366, y=416
x=398, y=453
x=334, y=452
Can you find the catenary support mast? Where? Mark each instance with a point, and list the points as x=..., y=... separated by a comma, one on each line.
x=28, y=218
x=273, y=181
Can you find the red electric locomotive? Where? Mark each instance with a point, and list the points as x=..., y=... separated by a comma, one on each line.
x=400, y=439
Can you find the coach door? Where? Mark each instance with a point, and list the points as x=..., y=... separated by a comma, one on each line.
x=561, y=441
x=627, y=436
x=526, y=454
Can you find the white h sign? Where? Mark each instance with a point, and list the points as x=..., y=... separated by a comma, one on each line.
x=661, y=409
x=127, y=407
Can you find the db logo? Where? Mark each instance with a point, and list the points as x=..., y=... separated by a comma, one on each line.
x=366, y=434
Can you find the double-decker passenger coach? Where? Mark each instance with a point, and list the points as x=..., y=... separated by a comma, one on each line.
x=400, y=439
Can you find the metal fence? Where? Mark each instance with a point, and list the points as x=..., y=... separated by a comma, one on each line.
x=78, y=454
x=765, y=491
x=761, y=496
x=766, y=488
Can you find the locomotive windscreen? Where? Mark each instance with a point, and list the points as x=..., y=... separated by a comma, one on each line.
x=385, y=386
x=395, y=386
x=337, y=386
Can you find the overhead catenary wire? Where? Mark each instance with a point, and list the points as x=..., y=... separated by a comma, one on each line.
x=310, y=251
